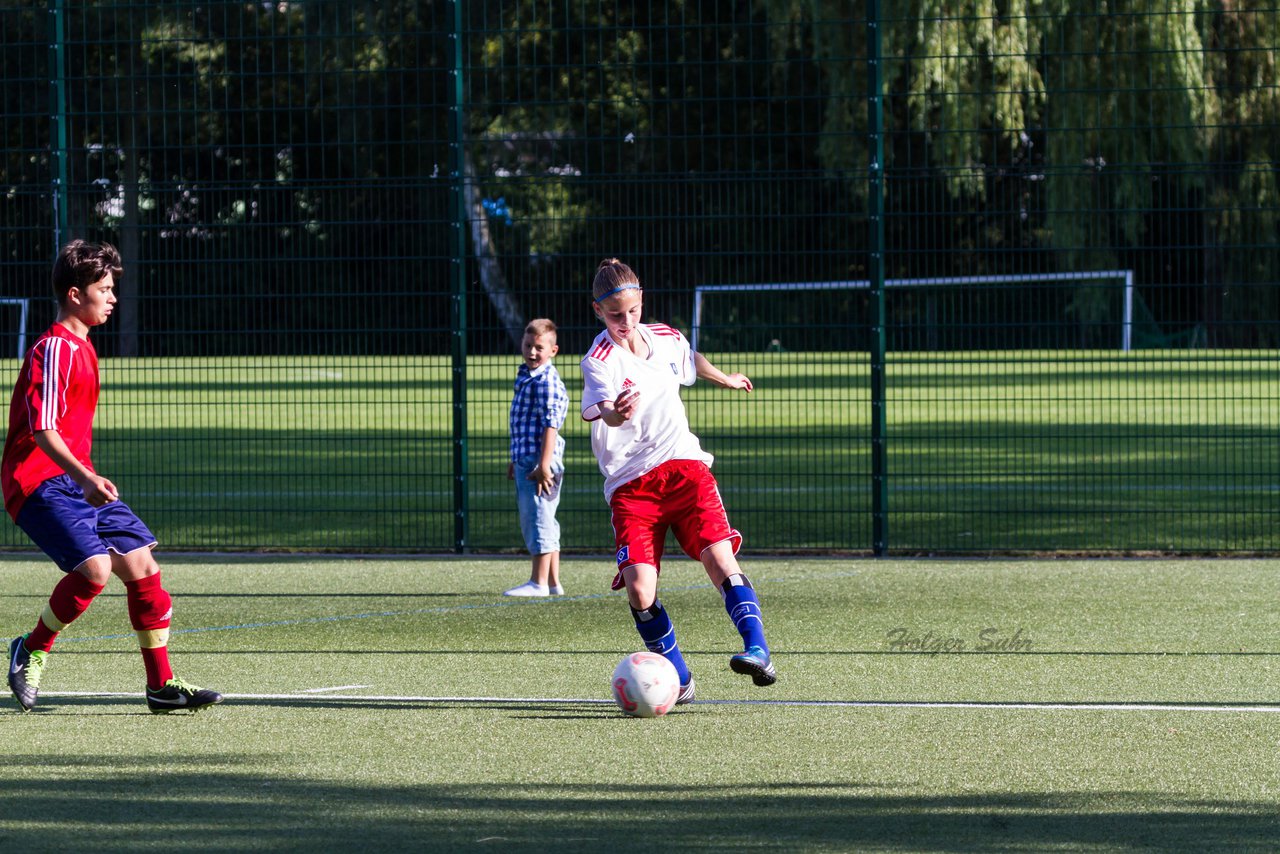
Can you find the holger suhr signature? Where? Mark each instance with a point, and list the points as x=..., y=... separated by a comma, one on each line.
x=988, y=639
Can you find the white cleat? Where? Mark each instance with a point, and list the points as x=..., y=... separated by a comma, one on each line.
x=529, y=588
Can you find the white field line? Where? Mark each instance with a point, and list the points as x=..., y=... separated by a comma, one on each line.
x=334, y=688
x=835, y=704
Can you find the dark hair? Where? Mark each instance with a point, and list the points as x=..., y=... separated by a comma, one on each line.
x=81, y=263
x=612, y=276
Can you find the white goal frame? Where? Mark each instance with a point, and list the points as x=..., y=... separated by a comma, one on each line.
x=1126, y=322
x=24, y=309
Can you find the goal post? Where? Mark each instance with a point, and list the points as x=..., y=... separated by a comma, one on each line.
x=23, y=305
x=1125, y=276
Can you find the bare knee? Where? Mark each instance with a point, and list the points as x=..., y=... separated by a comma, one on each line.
x=96, y=569
x=135, y=565
x=642, y=585
x=720, y=562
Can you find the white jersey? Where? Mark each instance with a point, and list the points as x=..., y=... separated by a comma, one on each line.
x=659, y=430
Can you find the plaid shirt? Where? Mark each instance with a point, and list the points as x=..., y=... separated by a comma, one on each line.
x=540, y=401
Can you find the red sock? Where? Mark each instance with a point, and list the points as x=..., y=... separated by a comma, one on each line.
x=150, y=609
x=71, y=598
x=156, y=660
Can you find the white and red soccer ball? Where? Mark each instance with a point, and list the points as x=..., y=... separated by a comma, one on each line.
x=645, y=685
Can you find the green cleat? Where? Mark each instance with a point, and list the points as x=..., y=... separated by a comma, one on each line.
x=25, y=669
x=178, y=696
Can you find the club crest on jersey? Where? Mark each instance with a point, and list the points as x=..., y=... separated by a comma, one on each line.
x=623, y=554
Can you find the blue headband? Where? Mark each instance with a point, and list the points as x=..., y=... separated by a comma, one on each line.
x=614, y=291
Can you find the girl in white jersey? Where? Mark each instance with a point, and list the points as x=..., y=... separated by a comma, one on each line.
x=656, y=474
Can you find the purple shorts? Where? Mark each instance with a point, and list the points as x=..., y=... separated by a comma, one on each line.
x=71, y=530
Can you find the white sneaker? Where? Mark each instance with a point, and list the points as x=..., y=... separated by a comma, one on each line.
x=529, y=588
x=556, y=590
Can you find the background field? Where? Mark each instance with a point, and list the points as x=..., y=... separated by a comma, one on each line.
x=404, y=704
x=986, y=452
x=331, y=214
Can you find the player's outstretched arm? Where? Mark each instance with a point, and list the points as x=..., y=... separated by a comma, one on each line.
x=710, y=372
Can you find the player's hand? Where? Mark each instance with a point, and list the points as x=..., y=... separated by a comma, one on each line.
x=511, y=471
x=738, y=381
x=99, y=491
x=626, y=404
x=544, y=480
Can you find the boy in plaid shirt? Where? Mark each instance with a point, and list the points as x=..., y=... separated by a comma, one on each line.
x=538, y=409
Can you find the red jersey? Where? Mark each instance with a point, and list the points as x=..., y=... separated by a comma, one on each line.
x=57, y=389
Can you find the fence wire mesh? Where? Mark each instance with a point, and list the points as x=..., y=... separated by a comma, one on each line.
x=1003, y=283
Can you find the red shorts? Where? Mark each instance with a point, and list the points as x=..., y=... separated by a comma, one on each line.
x=680, y=495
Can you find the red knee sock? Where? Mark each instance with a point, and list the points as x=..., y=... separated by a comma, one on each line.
x=71, y=598
x=150, y=609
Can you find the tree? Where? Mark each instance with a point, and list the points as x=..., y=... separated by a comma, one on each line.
x=1103, y=125
x=1242, y=197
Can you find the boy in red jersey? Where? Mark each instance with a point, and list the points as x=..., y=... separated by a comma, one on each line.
x=70, y=511
x=656, y=474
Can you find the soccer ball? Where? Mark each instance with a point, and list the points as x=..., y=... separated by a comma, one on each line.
x=645, y=685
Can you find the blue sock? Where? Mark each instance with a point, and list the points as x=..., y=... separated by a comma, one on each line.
x=659, y=636
x=744, y=609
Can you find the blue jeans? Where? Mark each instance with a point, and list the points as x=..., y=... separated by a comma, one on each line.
x=538, y=512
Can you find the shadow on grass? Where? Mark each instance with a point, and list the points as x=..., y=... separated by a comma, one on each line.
x=226, y=802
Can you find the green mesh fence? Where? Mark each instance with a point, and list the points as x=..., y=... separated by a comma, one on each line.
x=1002, y=283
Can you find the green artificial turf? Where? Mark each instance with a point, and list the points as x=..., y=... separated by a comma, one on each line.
x=404, y=704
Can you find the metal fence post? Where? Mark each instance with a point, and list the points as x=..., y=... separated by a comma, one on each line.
x=58, y=119
x=875, y=270
x=458, y=299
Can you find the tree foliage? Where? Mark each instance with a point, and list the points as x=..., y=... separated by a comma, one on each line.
x=252, y=154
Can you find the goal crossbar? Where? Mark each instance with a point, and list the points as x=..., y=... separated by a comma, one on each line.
x=1126, y=323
